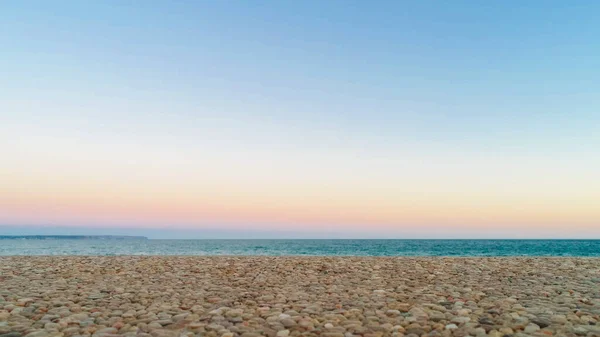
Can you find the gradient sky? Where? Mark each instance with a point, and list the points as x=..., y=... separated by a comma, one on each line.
x=396, y=119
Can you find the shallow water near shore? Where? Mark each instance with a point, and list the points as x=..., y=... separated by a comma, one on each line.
x=584, y=248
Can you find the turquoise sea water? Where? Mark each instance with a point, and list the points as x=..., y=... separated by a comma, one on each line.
x=304, y=247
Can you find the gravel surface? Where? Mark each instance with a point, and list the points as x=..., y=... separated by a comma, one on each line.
x=298, y=296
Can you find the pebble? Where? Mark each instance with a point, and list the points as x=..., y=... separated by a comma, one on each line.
x=288, y=322
x=541, y=322
x=531, y=328
x=11, y=334
x=461, y=319
x=332, y=334
x=393, y=313
x=283, y=333
x=40, y=333
x=559, y=319
x=579, y=330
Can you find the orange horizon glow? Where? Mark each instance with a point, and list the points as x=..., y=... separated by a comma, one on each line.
x=288, y=207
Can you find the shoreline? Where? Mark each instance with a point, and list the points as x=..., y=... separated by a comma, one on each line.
x=408, y=248
x=313, y=256
x=280, y=296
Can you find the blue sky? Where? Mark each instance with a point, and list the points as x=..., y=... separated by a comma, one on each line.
x=449, y=70
x=442, y=70
x=461, y=89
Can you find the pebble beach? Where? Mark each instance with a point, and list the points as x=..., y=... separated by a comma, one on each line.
x=249, y=296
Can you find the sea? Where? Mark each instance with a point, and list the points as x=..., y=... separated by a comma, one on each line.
x=304, y=247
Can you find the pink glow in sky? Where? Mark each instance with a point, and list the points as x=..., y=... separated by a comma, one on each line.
x=395, y=120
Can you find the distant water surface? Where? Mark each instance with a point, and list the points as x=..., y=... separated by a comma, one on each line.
x=304, y=247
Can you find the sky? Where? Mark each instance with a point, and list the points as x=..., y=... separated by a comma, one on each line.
x=375, y=119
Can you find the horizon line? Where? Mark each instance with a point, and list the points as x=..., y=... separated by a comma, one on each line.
x=2, y=236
